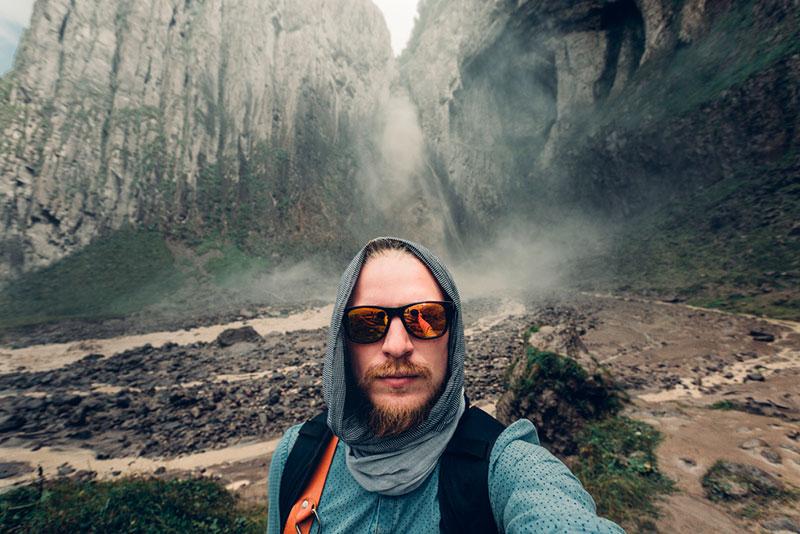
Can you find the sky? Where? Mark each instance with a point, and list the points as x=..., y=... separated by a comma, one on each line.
x=15, y=15
x=399, y=15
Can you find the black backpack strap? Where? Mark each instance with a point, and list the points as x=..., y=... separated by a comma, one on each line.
x=307, y=452
x=464, y=475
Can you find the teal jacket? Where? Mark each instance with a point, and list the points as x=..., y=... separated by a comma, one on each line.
x=530, y=491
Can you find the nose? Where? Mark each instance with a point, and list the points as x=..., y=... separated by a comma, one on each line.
x=397, y=343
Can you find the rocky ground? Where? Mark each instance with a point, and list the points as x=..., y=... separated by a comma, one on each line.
x=217, y=404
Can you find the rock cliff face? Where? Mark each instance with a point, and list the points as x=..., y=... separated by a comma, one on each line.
x=186, y=114
x=603, y=107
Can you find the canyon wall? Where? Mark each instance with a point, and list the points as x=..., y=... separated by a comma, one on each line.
x=193, y=116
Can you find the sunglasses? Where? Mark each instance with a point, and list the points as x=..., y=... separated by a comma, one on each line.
x=423, y=320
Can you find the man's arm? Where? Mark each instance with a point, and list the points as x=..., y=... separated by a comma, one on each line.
x=274, y=482
x=533, y=491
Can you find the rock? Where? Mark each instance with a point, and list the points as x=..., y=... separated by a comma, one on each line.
x=753, y=444
x=772, y=456
x=85, y=475
x=11, y=422
x=14, y=469
x=64, y=399
x=558, y=396
x=65, y=469
x=756, y=377
x=762, y=336
x=232, y=336
x=160, y=470
x=781, y=524
x=274, y=396
x=730, y=481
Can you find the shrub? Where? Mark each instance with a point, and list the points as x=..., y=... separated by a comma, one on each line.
x=127, y=505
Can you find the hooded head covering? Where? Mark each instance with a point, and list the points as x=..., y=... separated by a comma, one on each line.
x=397, y=464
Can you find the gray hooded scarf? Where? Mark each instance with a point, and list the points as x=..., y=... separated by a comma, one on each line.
x=392, y=465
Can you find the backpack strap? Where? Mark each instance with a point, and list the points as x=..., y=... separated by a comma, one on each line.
x=304, y=510
x=308, y=450
x=464, y=503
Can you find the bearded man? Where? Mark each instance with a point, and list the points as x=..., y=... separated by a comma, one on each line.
x=399, y=449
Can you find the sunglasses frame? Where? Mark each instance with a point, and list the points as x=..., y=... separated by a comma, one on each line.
x=449, y=310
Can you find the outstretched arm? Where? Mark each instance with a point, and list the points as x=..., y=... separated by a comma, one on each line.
x=533, y=491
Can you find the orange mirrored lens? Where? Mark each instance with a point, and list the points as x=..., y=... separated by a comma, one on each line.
x=426, y=320
x=366, y=324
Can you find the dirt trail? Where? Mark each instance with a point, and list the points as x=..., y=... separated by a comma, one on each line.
x=55, y=355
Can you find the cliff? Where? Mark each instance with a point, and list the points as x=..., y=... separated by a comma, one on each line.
x=600, y=106
x=191, y=116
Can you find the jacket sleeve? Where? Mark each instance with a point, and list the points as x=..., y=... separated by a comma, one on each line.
x=533, y=491
x=274, y=481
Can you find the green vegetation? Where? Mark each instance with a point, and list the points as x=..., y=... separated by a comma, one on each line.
x=229, y=264
x=593, y=396
x=746, y=489
x=114, y=276
x=701, y=72
x=617, y=466
x=732, y=246
x=724, y=405
x=128, y=505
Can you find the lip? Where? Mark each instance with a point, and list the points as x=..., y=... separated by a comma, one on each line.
x=398, y=381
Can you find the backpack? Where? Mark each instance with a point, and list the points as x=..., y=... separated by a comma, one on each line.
x=463, y=474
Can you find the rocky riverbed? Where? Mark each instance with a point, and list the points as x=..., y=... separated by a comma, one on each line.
x=216, y=400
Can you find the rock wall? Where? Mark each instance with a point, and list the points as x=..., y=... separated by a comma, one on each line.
x=192, y=115
x=599, y=107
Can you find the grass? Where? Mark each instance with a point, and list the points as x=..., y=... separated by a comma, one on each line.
x=733, y=247
x=127, y=505
x=129, y=272
x=230, y=263
x=113, y=276
x=724, y=405
x=617, y=466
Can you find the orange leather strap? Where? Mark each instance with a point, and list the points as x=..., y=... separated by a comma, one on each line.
x=302, y=515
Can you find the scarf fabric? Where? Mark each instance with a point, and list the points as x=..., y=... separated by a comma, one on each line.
x=392, y=465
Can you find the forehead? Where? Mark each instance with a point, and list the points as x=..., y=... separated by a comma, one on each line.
x=393, y=279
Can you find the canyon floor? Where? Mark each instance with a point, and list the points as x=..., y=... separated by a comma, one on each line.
x=201, y=400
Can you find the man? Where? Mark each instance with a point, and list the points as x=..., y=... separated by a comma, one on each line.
x=393, y=383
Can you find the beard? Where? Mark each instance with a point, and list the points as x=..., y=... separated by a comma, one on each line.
x=388, y=419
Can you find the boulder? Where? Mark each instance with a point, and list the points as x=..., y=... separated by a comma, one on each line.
x=231, y=336
x=558, y=395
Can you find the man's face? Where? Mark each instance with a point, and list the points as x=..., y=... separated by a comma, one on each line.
x=400, y=374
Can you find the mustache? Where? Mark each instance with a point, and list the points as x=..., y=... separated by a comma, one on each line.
x=395, y=369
